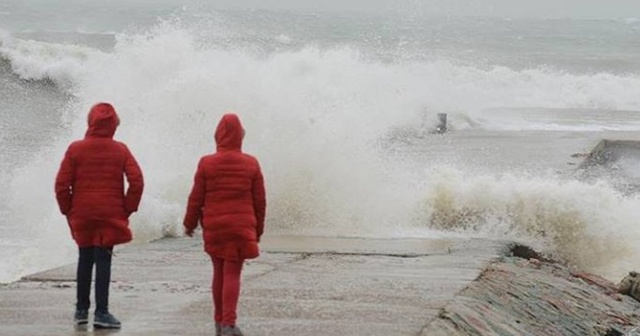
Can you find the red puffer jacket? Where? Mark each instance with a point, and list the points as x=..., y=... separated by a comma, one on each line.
x=90, y=183
x=228, y=196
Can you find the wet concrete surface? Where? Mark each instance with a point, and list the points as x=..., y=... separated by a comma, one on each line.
x=298, y=286
x=337, y=286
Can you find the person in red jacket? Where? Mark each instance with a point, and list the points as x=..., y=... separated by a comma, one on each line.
x=90, y=193
x=228, y=200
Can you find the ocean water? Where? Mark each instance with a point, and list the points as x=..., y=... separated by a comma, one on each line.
x=338, y=107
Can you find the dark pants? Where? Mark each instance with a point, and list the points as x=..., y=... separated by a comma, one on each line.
x=101, y=257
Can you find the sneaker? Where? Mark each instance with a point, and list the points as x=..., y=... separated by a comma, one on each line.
x=231, y=331
x=105, y=321
x=81, y=317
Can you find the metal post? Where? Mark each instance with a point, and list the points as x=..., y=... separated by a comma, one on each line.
x=442, y=125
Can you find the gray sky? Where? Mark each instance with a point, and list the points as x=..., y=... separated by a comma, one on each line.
x=501, y=8
x=506, y=8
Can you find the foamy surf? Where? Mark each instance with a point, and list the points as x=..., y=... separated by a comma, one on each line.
x=591, y=226
x=315, y=117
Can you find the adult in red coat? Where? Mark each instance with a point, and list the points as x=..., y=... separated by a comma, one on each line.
x=90, y=191
x=228, y=200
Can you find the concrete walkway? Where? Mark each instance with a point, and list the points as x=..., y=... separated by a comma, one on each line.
x=299, y=286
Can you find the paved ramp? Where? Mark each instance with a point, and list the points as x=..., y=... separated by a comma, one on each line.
x=299, y=286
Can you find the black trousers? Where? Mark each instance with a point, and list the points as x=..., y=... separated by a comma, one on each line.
x=101, y=257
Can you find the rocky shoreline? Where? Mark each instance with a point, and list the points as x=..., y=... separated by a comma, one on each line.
x=529, y=296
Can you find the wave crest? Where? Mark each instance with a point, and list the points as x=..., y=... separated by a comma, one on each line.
x=35, y=60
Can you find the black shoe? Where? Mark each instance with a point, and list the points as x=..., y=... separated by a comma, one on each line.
x=81, y=317
x=231, y=331
x=104, y=320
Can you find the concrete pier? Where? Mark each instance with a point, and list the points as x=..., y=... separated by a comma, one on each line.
x=299, y=286
x=335, y=286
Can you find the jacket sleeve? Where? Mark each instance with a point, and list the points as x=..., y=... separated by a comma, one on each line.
x=259, y=201
x=135, y=181
x=64, y=183
x=196, y=199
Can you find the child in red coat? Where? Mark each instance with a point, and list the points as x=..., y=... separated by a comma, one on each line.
x=90, y=193
x=228, y=200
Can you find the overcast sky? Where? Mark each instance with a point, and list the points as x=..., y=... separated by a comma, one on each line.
x=501, y=8
x=506, y=8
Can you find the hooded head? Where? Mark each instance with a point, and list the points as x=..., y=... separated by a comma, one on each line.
x=229, y=133
x=103, y=120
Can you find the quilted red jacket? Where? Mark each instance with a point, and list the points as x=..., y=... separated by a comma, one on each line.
x=90, y=183
x=228, y=196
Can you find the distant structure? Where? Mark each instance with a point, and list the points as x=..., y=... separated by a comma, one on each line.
x=442, y=123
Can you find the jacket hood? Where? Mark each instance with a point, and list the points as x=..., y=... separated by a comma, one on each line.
x=103, y=121
x=229, y=133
